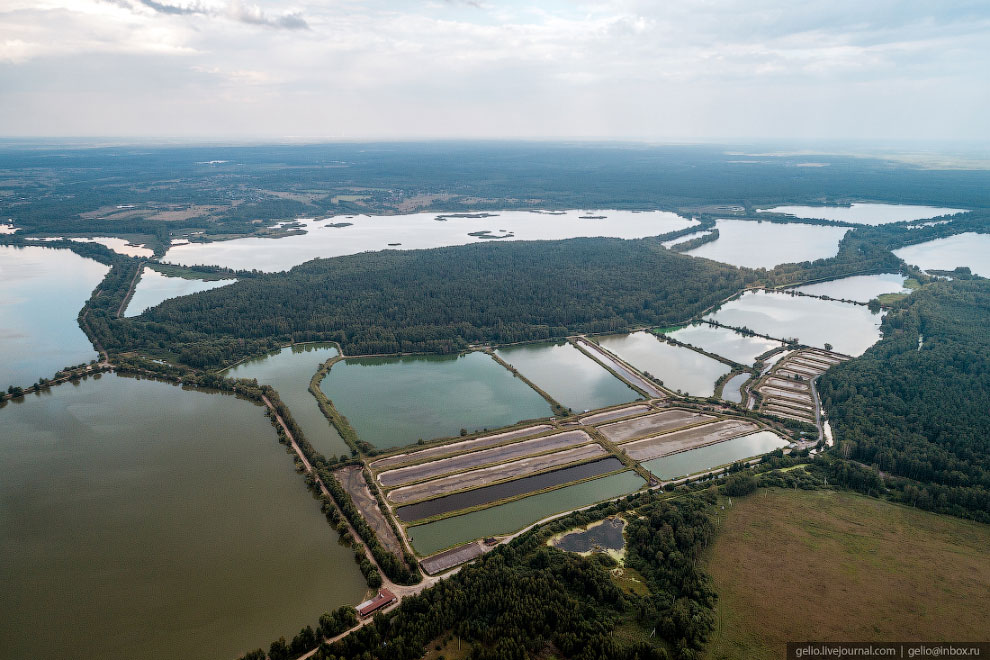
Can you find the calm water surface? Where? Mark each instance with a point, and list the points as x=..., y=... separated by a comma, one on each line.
x=755, y=244
x=511, y=517
x=679, y=368
x=731, y=392
x=42, y=293
x=864, y=214
x=139, y=520
x=392, y=402
x=155, y=288
x=967, y=249
x=861, y=288
x=725, y=342
x=418, y=230
x=568, y=375
x=289, y=371
x=712, y=456
x=850, y=328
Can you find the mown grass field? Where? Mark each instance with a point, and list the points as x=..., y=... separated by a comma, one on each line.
x=798, y=566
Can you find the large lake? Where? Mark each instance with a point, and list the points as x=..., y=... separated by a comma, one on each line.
x=289, y=372
x=42, y=293
x=967, y=249
x=140, y=520
x=849, y=328
x=155, y=288
x=392, y=402
x=568, y=375
x=864, y=213
x=419, y=230
x=677, y=367
x=511, y=517
x=861, y=288
x=755, y=244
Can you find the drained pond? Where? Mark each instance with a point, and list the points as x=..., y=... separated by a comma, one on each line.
x=505, y=490
x=712, y=456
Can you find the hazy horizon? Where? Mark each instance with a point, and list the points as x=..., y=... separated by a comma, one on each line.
x=720, y=72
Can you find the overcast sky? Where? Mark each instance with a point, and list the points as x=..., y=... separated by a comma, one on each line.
x=665, y=70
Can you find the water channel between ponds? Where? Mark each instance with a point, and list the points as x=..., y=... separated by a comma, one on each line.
x=511, y=517
x=343, y=235
x=568, y=375
x=155, y=288
x=677, y=367
x=487, y=494
x=849, y=328
x=392, y=402
x=141, y=520
x=43, y=291
x=712, y=456
x=289, y=372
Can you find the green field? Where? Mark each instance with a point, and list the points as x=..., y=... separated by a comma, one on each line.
x=798, y=566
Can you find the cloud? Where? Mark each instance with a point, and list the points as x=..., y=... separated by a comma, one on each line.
x=234, y=10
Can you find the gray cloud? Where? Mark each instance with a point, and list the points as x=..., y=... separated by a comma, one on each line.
x=234, y=10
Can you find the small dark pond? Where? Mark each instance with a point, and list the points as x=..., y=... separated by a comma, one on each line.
x=605, y=536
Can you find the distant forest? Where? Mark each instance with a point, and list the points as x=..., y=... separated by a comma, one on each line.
x=917, y=404
x=234, y=190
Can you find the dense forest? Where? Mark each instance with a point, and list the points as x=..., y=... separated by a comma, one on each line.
x=527, y=600
x=916, y=404
x=441, y=300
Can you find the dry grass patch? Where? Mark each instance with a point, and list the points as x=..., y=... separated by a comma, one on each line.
x=798, y=566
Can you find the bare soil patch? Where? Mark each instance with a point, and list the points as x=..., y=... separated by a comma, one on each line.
x=353, y=482
x=613, y=414
x=457, y=447
x=485, y=476
x=444, y=466
x=650, y=424
x=699, y=436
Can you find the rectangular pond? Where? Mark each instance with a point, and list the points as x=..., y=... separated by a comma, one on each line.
x=42, y=293
x=728, y=343
x=678, y=368
x=342, y=235
x=968, y=249
x=862, y=213
x=755, y=244
x=392, y=402
x=507, y=518
x=861, y=288
x=568, y=375
x=487, y=494
x=289, y=372
x=849, y=328
x=141, y=520
x=155, y=288
x=712, y=456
